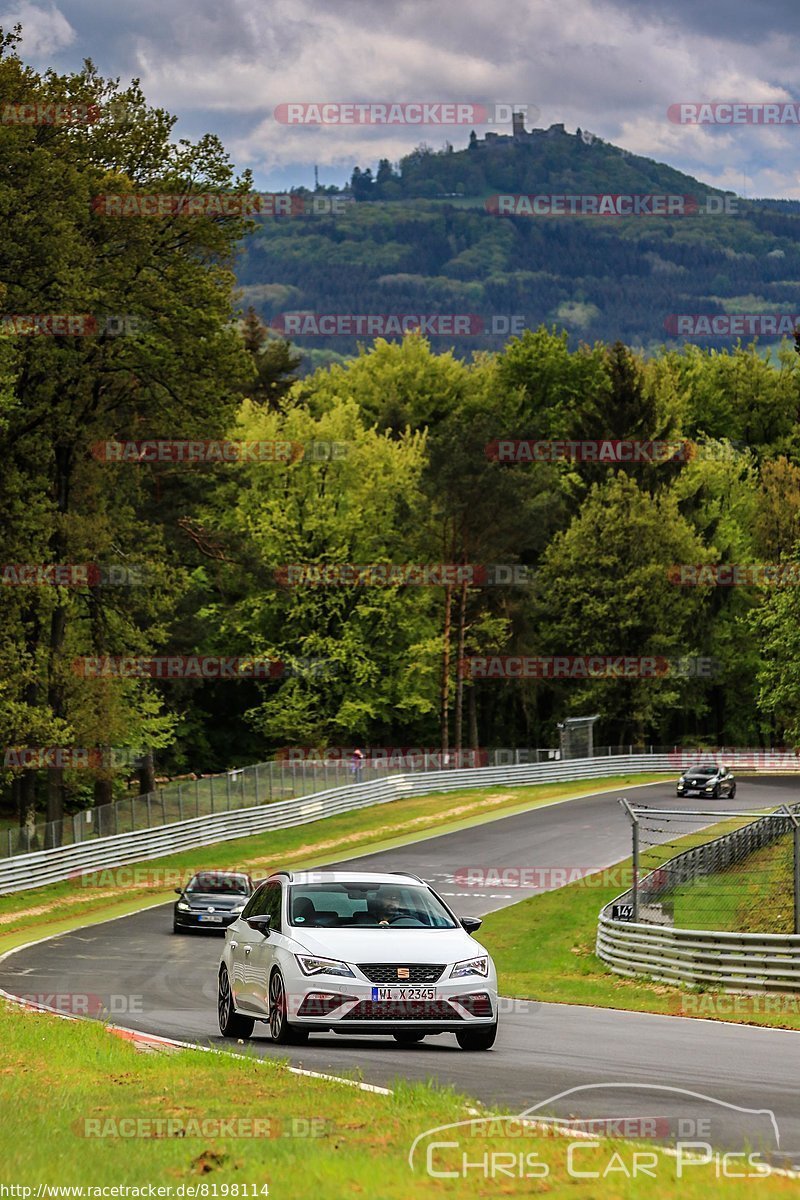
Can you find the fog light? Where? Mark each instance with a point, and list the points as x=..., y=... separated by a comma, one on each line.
x=319, y=1004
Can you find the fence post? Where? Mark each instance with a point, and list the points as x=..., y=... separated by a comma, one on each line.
x=211, y=782
x=634, y=820
x=9, y=842
x=796, y=845
x=228, y=789
x=180, y=801
x=197, y=797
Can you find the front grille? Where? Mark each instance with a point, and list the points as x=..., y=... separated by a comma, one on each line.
x=387, y=972
x=403, y=1010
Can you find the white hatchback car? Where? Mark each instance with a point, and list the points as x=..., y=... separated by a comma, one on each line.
x=355, y=953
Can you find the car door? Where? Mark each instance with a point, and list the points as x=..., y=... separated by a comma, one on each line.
x=243, y=939
x=262, y=950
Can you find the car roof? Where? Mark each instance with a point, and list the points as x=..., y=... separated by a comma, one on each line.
x=322, y=877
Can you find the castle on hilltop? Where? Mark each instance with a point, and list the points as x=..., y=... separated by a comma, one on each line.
x=519, y=133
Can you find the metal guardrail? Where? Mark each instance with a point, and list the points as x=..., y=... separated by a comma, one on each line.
x=743, y=961
x=40, y=867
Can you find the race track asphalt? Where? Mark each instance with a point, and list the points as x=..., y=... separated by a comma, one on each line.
x=625, y=1064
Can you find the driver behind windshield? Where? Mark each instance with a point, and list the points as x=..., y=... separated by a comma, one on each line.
x=387, y=907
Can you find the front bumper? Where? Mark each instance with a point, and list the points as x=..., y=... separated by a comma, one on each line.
x=352, y=1006
x=198, y=919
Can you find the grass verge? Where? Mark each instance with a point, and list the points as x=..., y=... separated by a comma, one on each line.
x=116, y=891
x=82, y=1108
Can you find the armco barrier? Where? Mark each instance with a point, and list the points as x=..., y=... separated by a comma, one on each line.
x=63, y=862
x=744, y=961
x=706, y=957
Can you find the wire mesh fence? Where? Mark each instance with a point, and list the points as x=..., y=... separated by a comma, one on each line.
x=732, y=874
x=286, y=778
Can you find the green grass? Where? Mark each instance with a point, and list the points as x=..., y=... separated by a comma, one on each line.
x=59, y=907
x=69, y=1089
x=544, y=950
x=754, y=896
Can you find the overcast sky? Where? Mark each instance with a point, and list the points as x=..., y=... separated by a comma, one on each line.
x=610, y=66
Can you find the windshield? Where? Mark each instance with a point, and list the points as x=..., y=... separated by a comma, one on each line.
x=703, y=769
x=373, y=905
x=215, y=882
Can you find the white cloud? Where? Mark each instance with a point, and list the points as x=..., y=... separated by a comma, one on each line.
x=45, y=30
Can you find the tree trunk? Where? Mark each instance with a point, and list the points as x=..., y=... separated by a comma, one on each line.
x=462, y=632
x=445, y=717
x=146, y=772
x=58, y=628
x=103, y=796
x=472, y=709
x=55, y=806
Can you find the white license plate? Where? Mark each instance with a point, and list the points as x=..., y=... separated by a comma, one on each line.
x=214, y=918
x=404, y=993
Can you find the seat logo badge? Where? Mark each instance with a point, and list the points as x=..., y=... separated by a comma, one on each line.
x=403, y=973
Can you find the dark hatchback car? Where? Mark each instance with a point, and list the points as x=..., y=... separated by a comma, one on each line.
x=211, y=900
x=707, y=779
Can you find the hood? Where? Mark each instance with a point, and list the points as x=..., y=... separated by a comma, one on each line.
x=358, y=945
x=209, y=899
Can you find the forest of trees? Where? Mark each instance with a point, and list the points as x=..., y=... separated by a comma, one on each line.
x=419, y=239
x=389, y=465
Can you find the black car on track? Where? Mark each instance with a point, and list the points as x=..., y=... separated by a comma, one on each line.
x=707, y=779
x=211, y=900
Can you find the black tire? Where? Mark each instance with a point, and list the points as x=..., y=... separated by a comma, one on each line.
x=477, y=1039
x=176, y=928
x=281, y=1032
x=733, y=791
x=408, y=1037
x=715, y=793
x=231, y=1023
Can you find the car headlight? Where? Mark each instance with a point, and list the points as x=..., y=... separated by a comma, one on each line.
x=183, y=906
x=470, y=966
x=311, y=965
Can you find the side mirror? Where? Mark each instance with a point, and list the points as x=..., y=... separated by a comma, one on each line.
x=471, y=924
x=260, y=924
x=178, y=891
